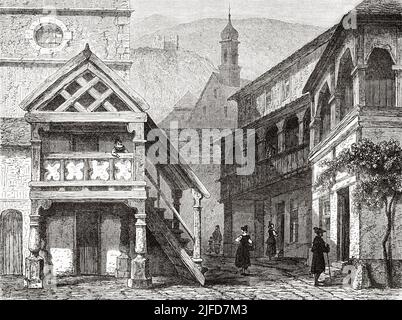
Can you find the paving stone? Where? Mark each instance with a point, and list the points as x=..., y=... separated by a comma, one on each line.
x=265, y=283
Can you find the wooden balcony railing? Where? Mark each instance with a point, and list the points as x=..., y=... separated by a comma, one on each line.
x=266, y=172
x=87, y=167
x=86, y=173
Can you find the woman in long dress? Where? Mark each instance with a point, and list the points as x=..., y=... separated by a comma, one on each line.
x=271, y=241
x=243, y=251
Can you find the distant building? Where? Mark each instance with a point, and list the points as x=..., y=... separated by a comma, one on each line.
x=338, y=89
x=167, y=43
x=171, y=44
x=279, y=189
x=212, y=110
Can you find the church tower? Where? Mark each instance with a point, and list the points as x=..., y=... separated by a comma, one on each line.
x=229, y=69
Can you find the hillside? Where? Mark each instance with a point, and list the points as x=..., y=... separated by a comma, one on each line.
x=264, y=42
x=162, y=78
x=151, y=24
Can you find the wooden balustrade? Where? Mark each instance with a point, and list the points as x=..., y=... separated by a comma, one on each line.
x=74, y=167
x=266, y=171
x=87, y=176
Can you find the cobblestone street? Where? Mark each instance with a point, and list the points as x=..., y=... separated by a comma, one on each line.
x=223, y=283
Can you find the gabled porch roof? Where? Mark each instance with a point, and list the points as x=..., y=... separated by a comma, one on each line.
x=86, y=90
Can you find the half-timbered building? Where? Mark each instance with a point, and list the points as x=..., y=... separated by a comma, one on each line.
x=68, y=204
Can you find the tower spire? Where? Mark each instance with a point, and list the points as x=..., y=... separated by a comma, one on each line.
x=229, y=69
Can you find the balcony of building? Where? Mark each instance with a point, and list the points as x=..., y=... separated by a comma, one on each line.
x=282, y=150
x=87, y=175
x=369, y=88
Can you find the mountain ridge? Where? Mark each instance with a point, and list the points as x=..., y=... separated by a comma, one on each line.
x=263, y=42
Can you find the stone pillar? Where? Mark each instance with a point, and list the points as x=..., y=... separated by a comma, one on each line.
x=34, y=264
x=268, y=217
x=335, y=106
x=315, y=130
x=398, y=85
x=197, y=209
x=281, y=135
x=176, y=196
x=332, y=234
x=137, y=129
x=355, y=225
x=300, y=118
x=140, y=269
x=123, y=263
x=227, y=228
x=259, y=228
x=359, y=85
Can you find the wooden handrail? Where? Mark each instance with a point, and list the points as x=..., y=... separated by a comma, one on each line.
x=170, y=206
x=85, y=155
x=86, y=183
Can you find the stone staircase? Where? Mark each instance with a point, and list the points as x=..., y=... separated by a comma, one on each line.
x=172, y=242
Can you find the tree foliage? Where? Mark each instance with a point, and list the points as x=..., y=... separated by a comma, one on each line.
x=377, y=165
x=378, y=169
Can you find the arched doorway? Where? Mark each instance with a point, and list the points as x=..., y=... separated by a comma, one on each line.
x=11, y=242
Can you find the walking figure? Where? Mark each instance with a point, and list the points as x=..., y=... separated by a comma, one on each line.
x=271, y=241
x=318, y=249
x=217, y=239
x=243, y=251
x=210, y=245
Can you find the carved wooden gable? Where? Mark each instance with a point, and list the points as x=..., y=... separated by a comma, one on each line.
x=86, y=93
x=85, y=85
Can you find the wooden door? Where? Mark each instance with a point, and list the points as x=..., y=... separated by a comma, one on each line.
x=88, y=251
x=11, y=242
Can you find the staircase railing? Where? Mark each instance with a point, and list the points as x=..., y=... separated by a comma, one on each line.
x=169, y=205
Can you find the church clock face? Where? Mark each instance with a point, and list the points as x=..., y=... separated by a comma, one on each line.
x=48, y=35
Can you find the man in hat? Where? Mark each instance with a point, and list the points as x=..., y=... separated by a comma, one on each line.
x=318, y=249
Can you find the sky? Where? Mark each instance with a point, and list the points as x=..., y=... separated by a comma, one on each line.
x=324, y=13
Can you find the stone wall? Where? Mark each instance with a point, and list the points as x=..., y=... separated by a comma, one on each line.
x=15, y=174
x=107, y=34
x=61, y=240
x=209, y=111
x=281, y=85
x=302, y=199
x=377, y=275
x=110, y=242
